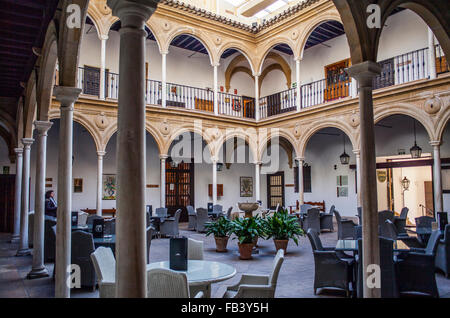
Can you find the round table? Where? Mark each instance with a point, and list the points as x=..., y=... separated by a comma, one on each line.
x=201, y=274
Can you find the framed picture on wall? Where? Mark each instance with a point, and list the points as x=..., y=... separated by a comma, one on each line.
x=246, y=186
x=109, y=187
x=77, y=185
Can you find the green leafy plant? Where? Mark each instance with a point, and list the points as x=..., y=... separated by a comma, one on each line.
x=248, y=229
x=282, y=226
x=221, y=228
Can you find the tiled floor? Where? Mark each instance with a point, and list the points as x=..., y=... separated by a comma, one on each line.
x=295, y=279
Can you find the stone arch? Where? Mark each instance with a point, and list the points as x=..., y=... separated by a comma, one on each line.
x=29, y=109
x=111, y=130
x=47, y=72
x=344, y=127
x=249, y=138
x=188, y=128
x=267, y=49
x=83, y=121
x=281, y=133
x=98, y=25
x=10, y=142
x=311, y=26
x=195, y=34
x=283, y=66
x=241, y=49
x=407, y=110
x=442, y=124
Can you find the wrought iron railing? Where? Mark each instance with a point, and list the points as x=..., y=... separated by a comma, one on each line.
x=278, y=103
x=112, y=85
x=189, y=97
x=235, y=105
x=153, y=92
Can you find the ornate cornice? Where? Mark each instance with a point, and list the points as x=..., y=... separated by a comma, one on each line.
x=213, y=16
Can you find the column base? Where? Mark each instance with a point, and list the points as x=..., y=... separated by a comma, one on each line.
x=23, y=252
x=38, y=273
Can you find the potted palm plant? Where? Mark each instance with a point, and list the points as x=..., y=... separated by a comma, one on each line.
x=246, y=231
x=282, y=227
x=221, y=230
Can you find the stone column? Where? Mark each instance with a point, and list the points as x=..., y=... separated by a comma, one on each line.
x=103, y=39
x=354, y=88
x=297, y=79
x=17, y=195
x=162, y=191
x=38, y=268
x=358, y=177
x=214, y=183
x=437, y=176
x=431, y=55
x=301, y=198
x=216, y=89
x=164, y=79
x=256, y=96
x=131, y=274
x=364, y=73
x=258, y=180
x=23, y=245
x=67, y=97
x=100, y=155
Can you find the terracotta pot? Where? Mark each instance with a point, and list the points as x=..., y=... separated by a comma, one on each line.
x=245, y=250
x=281, y=244
x=221, y=244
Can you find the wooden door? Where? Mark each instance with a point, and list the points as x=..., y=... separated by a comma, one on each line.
x=273, y=104
x=429, y=201
x=337, y=80
x=91, y=81
x=7, y=184
x=179, y=188
x=248, y=107
x=275, y=190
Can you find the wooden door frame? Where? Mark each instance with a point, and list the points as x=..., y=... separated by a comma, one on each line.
x=192, y=185
x=282, y=188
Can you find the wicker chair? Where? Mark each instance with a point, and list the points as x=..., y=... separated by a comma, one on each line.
x=30, y=228
x=162, y=212
x=202, y=218
x=312, y=220
x=166, y=283
x=257, y=286
x=304, y=208
x=105, y=269
x=345, y=227
x=416, y=269
x=359, y=210
x=442, y=260
x=391, y=232
x=91, y=218
x=400, y=221
x=330, y=270
x=82, y=248
x=82, y=218
x=49, y=239
x=230, y=209
x=150, y=231
x=110, y=226
x=195, y=249
x=192, y=218
x=169, y=226
x=326, y=220
x=382, y=217
x=217, y=208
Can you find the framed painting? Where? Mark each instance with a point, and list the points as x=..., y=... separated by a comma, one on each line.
x=77, y=185
x=109, y=187
x=246, y=186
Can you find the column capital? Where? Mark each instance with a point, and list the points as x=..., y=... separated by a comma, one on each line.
x=126, y=10
x=215, y=64
x=101, y=153
x=298, y=59
x=66, y=95
x=356, y=152
x=435, y=143
x=163, y=52
x=18, y=151
x=163, y=157
x=364, y=72
x=103, y=37
x=256, y=74
x=214, y=160
x=27, y=142
x=257, y=163
x=300, y=158
x=43, y=127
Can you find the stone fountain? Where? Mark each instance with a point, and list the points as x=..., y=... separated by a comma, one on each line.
x=248, y=208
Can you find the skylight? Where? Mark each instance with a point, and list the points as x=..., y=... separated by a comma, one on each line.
x=272, y=8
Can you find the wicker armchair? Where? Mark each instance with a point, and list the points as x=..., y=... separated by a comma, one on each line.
x=257, y=286
x=330, y=270
x=195, y=249
x=391, y=232
x=416, y=269
x=105, y=269
x=161, y=212
x=217, y=208
x=312, y=220
x=149, y=236
x=82, y=247
x=166, y=283
x=230, y=209
x=326, y=220
x=110, y=226
x=345, y=227
x=192, y=218
x=442, y=260
x=49, y=239
x=359, y=210
x=202, y=218
x=82, y=218
x=169, y=226
x=91, y=218
x=400, y=221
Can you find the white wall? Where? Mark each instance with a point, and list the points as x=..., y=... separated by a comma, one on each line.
x=4, y=158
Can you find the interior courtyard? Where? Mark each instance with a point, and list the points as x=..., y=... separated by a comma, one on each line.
x=114, y=111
